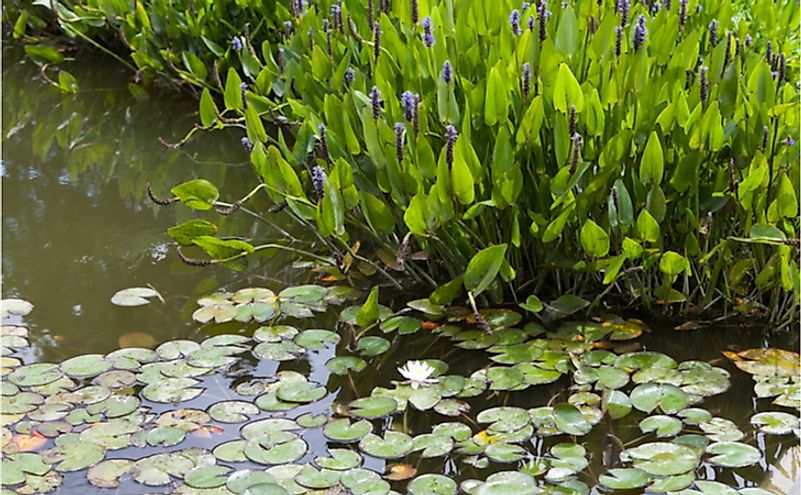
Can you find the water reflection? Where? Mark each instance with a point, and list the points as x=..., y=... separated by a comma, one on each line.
x=77, y=226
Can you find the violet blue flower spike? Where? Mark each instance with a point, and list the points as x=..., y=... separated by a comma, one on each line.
x=324, y=143
x=618, y=41
x=408, y=102
x=638, y=38
x=514, y=21
x=376, y=40
x=542, y=16
x=447, y=72
x=703, y=86
x=428, y=35
x=713, y=33
x=236, y=43
x=576, y=138
x=287, y=29
x=623, y=7
x=415, y=12
x=350, y=74
x=247, y=144
x=375, y=101
x=318, y=180
x=530, y=22
x=683, y=13
x=336, y=15
x=526, y=81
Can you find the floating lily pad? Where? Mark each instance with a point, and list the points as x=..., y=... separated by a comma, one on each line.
x=341, y=430
x=134, y=296
x=664, y=426
x=317, y=479
x=302, y=392
x=278, y=351
x=233, y=451
x=232, y=411
x=281, y=453
x=85, y=366
x=432, y=484
x=372, y=346
x=715, y=488
x=694, y=415
x=767, y=362
x=721, y=430
x=663, y=459
x=393, y=446
x=504, y=452
x=342, y=365
x=16, y=307
x=207, y=476
x=36, y=374
x=776, y=423
x=733, y=454
x=340, y=460
x=20, y=403
x=668, y=398
x=16, y=466
x=570, y=420
x=671, y=483
x=172, y=390
x=433, y=445
x=316, y=339
x=452, y=407
x=617, y=404
x=254, y=311
x=240, y=481
x=364, y=482
x=644, y=359
x=221, y=312
x=624, y=478
x=74, y=456
x=275, y=333
x=505, y=483
x=373, y=407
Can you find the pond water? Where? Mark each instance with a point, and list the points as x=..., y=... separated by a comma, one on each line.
x=77, y=227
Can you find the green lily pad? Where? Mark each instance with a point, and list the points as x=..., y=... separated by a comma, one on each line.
x=373, y=407
x=424, y=398
x=501, y=378
x=694, y=415
x=253, y=294
x=668, y=398
x=317, y=479
x=644, y=359
x=134, y=296
x=240, y=481
x=304, y=293
x=452, y=407
x=259, y=311
x=505, y=453
x=733, y=454
x=671, y=483
x=232, y=411
x=40, y=484
x=172, y=390
x=281, y=453
x=208, y=476
x=507, y=483
x=715, y=488
x=721, y=430
x=302, y=392
x=340, y=460
x=364, y=482
x=617, y=404
x=271, y=402
x=427, y=307
x=624, y=478
x=233, y=451
x=37, y=374
x=279, y=351
x=569, y=420
x=158, y=469
x=372, y=346
x=664, y=426
x=776, y=423
x=21, y=403
x=275, y=333
x=393, y=446
x=74, y=456
x=433, y=445
x=454, y=430
x=342, y=365
x=662, y=458
x=432, y=484
x=505, y=418
x=316, y=339
x=405, y=325
x=16, y=466
x=341, y=430
x=221, y=312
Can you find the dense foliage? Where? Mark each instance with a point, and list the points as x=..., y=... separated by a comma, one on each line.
x=649, y=149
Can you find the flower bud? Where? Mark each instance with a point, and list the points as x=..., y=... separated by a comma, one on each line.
x=514, y=21
x=375, y=101
x=318, y=180
x=400, y=131
x=638, y=38
x=324, y=143
x=447, y=72
x=428, y=35
x=450, y=134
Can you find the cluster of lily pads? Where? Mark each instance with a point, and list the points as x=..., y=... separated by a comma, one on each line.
x=122, y=417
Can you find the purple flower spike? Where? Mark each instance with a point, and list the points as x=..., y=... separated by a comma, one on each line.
x=526, y=81
x=375, y=101
x=428, y=35
x=350, y=74
x=530, y=22
x=408, y=102
x=236, y=43
x=324, y=143
x=514, y=21
x=450, y=134
x=618, y=41
x=247, y=144
x=318, y=180
x=713, y=33
x=623, y=7
x=400, y=131
x=447, y=72
x=638, y=38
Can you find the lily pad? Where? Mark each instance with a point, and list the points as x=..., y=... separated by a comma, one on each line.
x=207, y=476
x=733, y=454
x=364, y=482
x=342, y=365
x=232, y=411
x=767, y=362
x=624, y=478
x=432, y=484
x=617, y=404
x=664, y=426
x=662, y=458
x=134, y=296
x=433, y=445
x=317, y=479
x=278, y=351
x=776, y=423
x=341, y=430
x=240, y=481
x=172, y=390
x=85, y=366
x=302, y=392
x=340, y=460
x=37, y=374
x=393, y=446
x=275, y=333
x=668, y=398
x=74, y=456
x=316, y=339
x=372, y=346
x=570, y=420
x=221, y=312
x=373, y=407
x=16, y=307
x=281, y=453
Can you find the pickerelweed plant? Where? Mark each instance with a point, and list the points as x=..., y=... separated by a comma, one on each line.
x=602, y=150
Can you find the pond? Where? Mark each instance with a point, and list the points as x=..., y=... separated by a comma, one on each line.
x=277, y=380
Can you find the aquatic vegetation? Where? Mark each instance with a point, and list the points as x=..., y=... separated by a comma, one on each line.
x=97, y=414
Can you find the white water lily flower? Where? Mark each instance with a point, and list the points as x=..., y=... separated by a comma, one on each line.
x=418, y=373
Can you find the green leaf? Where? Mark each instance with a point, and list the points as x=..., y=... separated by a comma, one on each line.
x=483, y=268
x=185, y=232
x=567, y=34
x=652, y=162
x=369, y=311
x=44, y=54
x=567, y=91
x=198, y=194
x=672, y=263
x=594, y=240
x=67, y=82
x=496, y=103
x=461, y=178
x=233, y=95
x=647, y=227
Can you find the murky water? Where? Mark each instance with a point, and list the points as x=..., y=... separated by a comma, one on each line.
x=77, y=227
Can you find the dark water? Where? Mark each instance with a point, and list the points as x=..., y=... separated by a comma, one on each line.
x=77, y=227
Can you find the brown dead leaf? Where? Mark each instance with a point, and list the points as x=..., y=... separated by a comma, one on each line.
x=399, y=472
x=27, y=443
x=207, y=431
